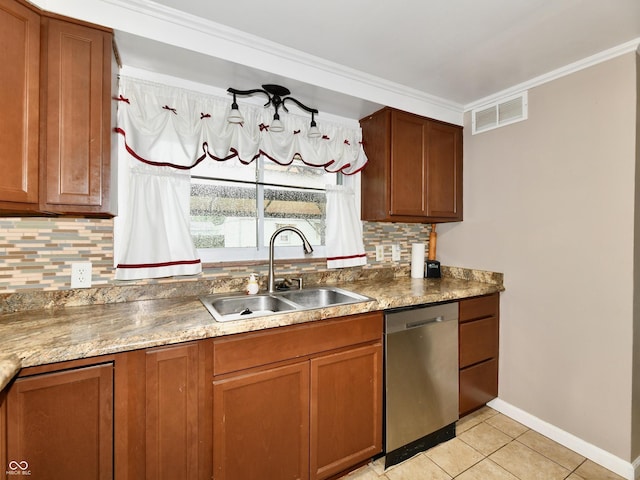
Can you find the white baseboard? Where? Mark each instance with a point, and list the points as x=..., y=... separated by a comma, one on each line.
x=629, y=471
x=636, y=468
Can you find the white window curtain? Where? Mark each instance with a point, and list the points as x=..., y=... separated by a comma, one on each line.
x=155, y=239
x=344, y=243
x=165, y=131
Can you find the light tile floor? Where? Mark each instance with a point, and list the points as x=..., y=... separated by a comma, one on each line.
x=490, y=446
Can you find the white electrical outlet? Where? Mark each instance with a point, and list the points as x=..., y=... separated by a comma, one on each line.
x=395, y=252
x=81, y=275
x=379, y=253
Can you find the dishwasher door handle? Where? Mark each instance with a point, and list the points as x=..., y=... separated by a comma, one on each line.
x=421, y=323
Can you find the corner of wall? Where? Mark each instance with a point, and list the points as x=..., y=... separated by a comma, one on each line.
x=635, y=399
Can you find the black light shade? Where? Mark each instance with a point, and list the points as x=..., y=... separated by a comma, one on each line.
x=277, y=96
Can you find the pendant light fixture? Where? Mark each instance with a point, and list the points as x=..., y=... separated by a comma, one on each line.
x=314, y=131
x=277, y=96
x=234, y=115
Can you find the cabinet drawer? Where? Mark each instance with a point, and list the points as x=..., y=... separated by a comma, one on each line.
x=478, y=385
x=479, y=307
x=478, y=341
x=247, y=350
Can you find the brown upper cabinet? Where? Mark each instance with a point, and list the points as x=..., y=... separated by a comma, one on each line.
x=55, y=134
x=76, y=156
x=414, y=172
x=20, y=119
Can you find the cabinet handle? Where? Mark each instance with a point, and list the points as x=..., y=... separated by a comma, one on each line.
x=420, y=323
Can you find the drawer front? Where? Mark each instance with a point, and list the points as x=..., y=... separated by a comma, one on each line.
x=478, y=341
x=247, y=350
x=478, y=385
x=479, y=307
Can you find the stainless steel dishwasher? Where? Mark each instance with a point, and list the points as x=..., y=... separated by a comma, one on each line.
x=421, y=379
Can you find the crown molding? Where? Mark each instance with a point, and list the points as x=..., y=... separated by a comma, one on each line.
x=267, y=47
x=574, y=67
x=151, y=20
x=157, y=22
x=302, y=60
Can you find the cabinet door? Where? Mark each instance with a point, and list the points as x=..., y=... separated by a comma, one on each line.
x=60, y=425
x=261, y=424
x=408, y=167
x=346, y=409
x=444, y=171
x=78, y=86
x=174, y=429
x=376, y=136
x=3, y=434
x=19, y=122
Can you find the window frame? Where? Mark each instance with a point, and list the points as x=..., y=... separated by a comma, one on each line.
x=261, y=252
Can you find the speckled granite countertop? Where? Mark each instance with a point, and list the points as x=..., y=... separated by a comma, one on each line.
x=37, y=337
x=9, y=367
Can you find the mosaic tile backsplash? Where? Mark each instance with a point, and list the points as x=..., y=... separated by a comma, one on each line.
x=37, y=253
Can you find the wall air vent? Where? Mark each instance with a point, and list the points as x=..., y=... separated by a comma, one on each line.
x=498, y=114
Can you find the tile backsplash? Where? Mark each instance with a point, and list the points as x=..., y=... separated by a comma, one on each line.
x=37, y=253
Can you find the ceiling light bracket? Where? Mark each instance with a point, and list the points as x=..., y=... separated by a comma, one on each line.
x=277, y=96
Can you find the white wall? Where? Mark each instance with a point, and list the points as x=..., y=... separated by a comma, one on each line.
x=550, y=202
x=635, y=407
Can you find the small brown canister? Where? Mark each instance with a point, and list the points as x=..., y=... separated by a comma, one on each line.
x=433, y=239
x=432, y=266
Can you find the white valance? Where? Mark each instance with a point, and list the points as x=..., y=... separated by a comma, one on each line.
x=194, y=127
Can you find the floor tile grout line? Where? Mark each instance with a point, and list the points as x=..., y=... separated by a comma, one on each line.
x=453, y=477
x=584, y=460
x=438, y=465
x=543, y=455
x=551, y=459
x=517, y=438
x=484, y=457
x=502, y=466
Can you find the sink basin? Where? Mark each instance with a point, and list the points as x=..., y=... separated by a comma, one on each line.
x=237, y=307
x=228, y=307
x=322, y=297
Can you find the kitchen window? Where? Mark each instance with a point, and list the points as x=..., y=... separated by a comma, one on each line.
x=235, y=208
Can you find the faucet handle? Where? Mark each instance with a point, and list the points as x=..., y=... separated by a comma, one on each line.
x=285, y=283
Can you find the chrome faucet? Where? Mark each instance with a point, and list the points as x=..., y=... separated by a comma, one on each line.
x=305, y=245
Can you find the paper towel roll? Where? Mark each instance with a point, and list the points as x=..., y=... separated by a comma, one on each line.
x=417, y=260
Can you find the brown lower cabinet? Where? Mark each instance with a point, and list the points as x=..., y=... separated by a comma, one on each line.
x=163, y=412
x=345, y=403
x=3, y=434
x=60, y=425
x=178, y=411
x=302, y=401
x=261, y=424
x=479, y=329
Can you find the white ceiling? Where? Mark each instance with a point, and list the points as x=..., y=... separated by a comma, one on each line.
x=347, y=57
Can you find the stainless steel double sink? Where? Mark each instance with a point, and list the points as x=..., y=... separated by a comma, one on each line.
x=229, y=307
